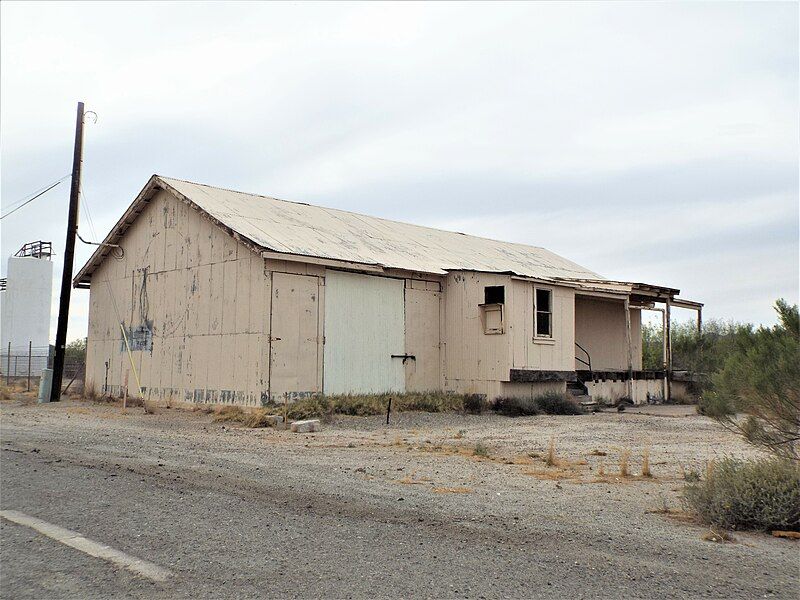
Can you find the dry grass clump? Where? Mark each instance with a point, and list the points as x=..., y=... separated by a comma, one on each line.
x=550, y=458
x=252, y=419
x=718, y=536
x=646, y=472
x=362, y=405
x=624, y=458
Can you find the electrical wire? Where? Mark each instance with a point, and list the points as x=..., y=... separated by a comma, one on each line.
x=41, y=192
x=114, y=305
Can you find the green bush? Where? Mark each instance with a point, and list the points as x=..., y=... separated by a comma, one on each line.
x=551, y=403
x=692, y=351
x=760, y=379
x=759, y=494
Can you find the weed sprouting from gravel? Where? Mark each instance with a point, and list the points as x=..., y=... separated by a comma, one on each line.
x=550, y=458
x=624, y=458
x=481, y=450
x=646, y=472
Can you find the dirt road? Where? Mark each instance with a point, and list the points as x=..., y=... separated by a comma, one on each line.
x=362, y=510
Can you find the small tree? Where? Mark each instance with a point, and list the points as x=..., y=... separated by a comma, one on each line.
x=76, y=350
x=761, y=379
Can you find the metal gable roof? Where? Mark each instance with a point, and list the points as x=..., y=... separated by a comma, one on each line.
x=314, y=231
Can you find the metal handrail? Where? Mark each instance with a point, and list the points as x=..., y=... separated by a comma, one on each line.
x=588, y=362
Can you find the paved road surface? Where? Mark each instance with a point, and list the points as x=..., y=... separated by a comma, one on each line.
x=231, y=515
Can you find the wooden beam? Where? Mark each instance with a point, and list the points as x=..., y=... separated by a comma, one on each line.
x=629, y=342
x=668, y=349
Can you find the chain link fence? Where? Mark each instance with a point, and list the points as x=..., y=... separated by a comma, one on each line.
x=26, y=362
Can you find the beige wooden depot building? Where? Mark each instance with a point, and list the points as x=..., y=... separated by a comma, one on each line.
x=208, y=295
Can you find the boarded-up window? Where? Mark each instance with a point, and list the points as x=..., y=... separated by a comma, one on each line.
x=492, y=318
x=543, y=308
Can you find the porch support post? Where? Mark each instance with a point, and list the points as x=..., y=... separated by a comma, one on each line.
x=630, y=347
x=699, y=321
x=668, y=348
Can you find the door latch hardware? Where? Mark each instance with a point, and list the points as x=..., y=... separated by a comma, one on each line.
x=405, y=357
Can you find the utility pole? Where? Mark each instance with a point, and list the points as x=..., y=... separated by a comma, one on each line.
x=69, y=254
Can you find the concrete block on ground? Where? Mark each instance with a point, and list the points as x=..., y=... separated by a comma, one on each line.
x=306, y=426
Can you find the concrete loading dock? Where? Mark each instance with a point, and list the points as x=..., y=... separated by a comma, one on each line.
x=208, y=295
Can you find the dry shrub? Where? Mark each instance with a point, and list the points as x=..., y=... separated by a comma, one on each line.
x=475, y=404
x=761, y=494
x=227, y=414
x=362, y=405
x=646, y=472
x=516, y=407
x=259, y=418
x=252, y=419
x=624, y=458
x=552, y=403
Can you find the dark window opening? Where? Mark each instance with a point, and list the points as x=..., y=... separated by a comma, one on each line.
x=544, y=313
x=494, y=294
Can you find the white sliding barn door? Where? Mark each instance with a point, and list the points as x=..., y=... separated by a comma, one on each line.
x=364, y=327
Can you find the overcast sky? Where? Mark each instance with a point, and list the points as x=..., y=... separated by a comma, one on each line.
x=650, y=142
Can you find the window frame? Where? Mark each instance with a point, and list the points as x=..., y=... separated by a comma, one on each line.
x=536, y=335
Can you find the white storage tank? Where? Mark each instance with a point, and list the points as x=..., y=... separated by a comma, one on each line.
x=25, y=302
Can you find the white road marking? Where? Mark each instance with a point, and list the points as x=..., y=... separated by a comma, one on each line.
x=87, y=546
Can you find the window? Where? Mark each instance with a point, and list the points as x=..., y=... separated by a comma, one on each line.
x=494, y=294
x=543, y=306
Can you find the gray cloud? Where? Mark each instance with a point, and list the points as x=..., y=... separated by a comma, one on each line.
x=649, y=141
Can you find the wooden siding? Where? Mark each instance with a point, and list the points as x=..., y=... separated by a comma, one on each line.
x=294, y=368
x=422, y=304
x=364, y=327
x=204, y=297
x=529, y=352
x=600, y=328
x=470, y=353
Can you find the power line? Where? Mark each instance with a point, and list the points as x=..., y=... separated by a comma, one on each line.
x=29, y=200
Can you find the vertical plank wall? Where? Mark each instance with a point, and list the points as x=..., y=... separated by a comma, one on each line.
x=203, y=295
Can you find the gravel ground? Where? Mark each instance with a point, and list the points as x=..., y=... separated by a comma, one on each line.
x=365, y=510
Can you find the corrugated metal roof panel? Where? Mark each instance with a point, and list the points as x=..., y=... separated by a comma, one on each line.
x=297, y=228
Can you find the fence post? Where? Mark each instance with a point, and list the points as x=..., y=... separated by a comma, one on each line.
x=8, y=365
x=30, y=348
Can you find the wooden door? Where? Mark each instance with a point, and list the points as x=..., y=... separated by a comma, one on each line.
x=294, y=337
